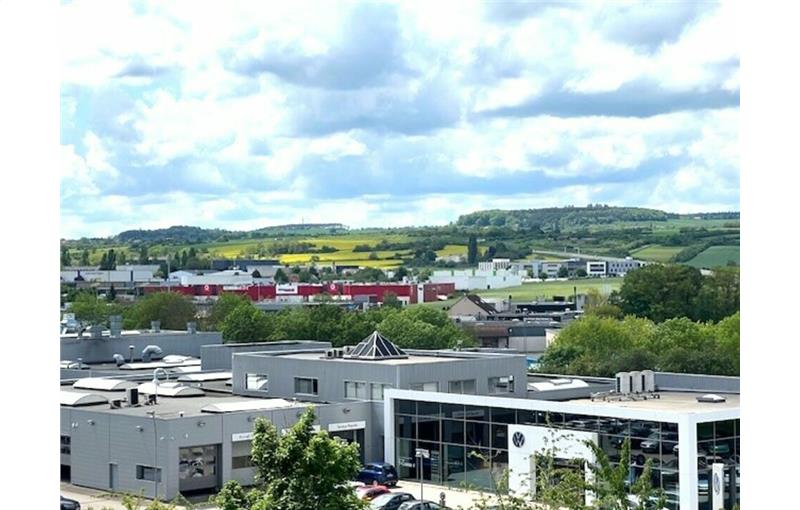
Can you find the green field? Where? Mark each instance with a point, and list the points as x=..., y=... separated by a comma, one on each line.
x=530, y=291
x=715, y=256
x=540, y=290
x=656, y=252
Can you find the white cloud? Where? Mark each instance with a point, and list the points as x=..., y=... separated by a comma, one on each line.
x=412, y=115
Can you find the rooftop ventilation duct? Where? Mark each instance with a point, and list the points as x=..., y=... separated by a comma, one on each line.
x=115, y=325
x=191, y=327
x=155, y=326
x=95, y=331
x=152, y=352
x=119, y=359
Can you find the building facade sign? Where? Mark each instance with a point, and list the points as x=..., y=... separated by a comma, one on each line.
x=286, y=289
x=350, y=425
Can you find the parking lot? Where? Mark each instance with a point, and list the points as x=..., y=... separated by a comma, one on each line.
x=99, y=500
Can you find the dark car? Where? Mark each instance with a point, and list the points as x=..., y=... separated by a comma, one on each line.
x=69, y=504
x=381, y=472
x=391, y=501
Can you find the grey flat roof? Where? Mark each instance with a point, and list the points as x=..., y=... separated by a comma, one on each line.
x=169, y=407
x=410, y=360
x=669, y=401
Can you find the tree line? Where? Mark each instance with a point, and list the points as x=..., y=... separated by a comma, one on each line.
x=413, y=327
x=668, y=318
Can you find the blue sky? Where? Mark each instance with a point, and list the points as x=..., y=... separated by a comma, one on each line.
x=238, y=115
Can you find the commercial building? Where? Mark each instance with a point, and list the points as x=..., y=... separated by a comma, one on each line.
x=620, y=267
x=595, y=268
x=406, y=293
x=196, y=436
x=468, y=279
x=472, y=439
x=195, y=433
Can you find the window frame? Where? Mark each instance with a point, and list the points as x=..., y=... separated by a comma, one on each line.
x=364, y=385
x=314, y=385
x=247, y=376
x=141, y=469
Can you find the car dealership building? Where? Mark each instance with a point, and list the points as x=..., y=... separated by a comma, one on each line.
x=474, y=413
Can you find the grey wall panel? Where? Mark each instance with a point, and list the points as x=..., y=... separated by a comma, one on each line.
x=102, y=350
x=90, y=449
x=218, y=356
x=696, y=382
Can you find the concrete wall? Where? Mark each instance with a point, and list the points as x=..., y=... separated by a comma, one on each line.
x=219, y=356
x=101, y=350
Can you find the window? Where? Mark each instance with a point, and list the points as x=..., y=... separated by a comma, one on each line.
x=148, y=473
x=377, y=390
x=241, y=462
x=428, y=386
x=466, y=386
x=501, y=384
x=240, y=454
x=306, y=386
x=65, y=445
x=256, y=382
x=355, y=390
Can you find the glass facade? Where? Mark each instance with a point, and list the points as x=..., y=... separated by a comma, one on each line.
x=718, y=443
x=469, y=444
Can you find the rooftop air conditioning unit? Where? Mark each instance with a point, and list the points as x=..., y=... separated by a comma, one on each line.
x=623, y=383
x=637, y=382
x=330, y=354
x=338, y=353
x=649, y=381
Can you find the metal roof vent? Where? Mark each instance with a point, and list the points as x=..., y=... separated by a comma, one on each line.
x=151, y=352
x=119, y=359
x=711, y=398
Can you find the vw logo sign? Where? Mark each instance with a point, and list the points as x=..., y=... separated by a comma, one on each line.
x=518, y=439
x=717, y=484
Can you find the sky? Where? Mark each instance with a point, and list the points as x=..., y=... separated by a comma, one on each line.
x=241, y=115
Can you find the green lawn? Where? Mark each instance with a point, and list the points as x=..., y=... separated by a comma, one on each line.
x=657, y=252
x=715, y=256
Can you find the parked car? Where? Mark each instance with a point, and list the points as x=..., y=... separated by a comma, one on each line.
x=370, y=492
x=390, y=501
x=69, y=504
x=668, y=441
x=421, y=505
x=381, y=472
